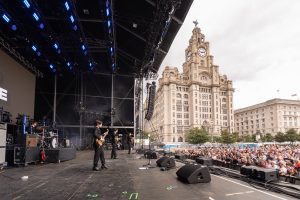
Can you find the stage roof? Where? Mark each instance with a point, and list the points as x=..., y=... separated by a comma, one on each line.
x=129, y=37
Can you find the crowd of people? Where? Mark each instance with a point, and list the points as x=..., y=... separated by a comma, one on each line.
x=284, y=158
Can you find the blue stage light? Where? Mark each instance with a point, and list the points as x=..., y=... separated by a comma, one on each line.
x=55, y=46
x=38, y=54
x=85, y=53
x=14, y=27
x=72, y=18
x=75, y=27
x=34, y=48
x=36, y=17
x=108, y=23
x=26, y=3
x=67, y=5
x=111, y=49
x=58, y=51
x=69, y=64
x=42, y=26
x=83, y=47
x=51, y=66
x=6, y=18
x=107, y=11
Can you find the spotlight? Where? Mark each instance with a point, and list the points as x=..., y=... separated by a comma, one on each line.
x=36, y=17
x=67, y=5
x=42, y=26
x=6, y=18
x=51, y=66
x=38, y=54
x=107, y=12
x=26, y=3
x=111, y=49
x=75, y=27
x=72, y=19
x=85, y=53
x=14, y=27
x=55, y=45
x=108, y=23
x=58, y=51
x=34, y=48
x=83, y=47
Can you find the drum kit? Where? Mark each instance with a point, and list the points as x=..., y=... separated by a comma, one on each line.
x=47, y=139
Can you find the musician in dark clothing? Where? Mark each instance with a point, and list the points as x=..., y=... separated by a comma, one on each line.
x=113, y=141
x=99, y=149
x=129, y=142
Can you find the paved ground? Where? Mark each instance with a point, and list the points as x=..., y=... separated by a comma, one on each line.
x=123, y=180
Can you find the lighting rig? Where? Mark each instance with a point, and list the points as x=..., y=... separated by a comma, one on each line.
x=111, y=34
x=72, y=16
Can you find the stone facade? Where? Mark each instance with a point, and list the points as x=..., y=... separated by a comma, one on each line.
x=275, y=115
x=198, y=97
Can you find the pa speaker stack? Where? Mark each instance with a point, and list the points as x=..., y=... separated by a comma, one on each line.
x=166, y=162
x=204, y=161
x=194, y=174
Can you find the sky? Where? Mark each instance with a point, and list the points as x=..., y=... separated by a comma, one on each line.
x=256, y=43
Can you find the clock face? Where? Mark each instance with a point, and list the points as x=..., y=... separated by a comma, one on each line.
x=202, y=52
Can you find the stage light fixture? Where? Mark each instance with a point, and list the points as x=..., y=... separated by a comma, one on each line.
x=107, y=12
x=55, y=45
x=6, y=18
x=111, y=50
x=72, y=19
x=108, y=23
x=14, y=27
x=42, y=26
x=58, y=51
x=34, y=48
x=36, y=17
x=27, y=4
x=67, y=5
x=51, y=66
x=38, y=54
x=75, y=27
x=69, y=65
x=83, y=47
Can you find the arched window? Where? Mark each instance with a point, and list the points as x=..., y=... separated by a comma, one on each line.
x=180, y=139
x=224, y=100
x=186, y=96
x=178, y=95
x=173, y=139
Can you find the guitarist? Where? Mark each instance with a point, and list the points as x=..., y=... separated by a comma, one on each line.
x=98, y=146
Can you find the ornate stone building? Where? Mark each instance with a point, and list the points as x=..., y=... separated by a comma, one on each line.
x=275, y=115
x=198, y=97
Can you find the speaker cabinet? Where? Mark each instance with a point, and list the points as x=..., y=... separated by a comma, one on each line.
x=204, y=161
x=194, y=174
x=259, y=173
x=31, y=140
x=150, y=154
x=166, y=162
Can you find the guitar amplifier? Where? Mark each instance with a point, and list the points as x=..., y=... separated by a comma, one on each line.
x=31, y=140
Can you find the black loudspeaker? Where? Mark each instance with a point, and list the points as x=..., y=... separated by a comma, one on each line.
x=166, y=162
x=194, y=174
x=265, y=175
x=204, y=161
x=259, y=173
x=180, y=156
x=150, y=154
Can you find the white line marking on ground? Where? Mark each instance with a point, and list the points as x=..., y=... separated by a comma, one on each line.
x=272, y=195
x=237, y=193
x=18, y=197
x=40, y=185
x=210, y=198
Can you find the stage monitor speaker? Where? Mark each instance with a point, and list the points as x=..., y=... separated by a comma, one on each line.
x=180, y=156
x=150, y=154
x=204, y=161
x=246, y=170
x=194, y=174
x=265, y=175
x=166, y=162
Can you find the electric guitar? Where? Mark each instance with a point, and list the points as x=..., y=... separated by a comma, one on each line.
x=101, y=141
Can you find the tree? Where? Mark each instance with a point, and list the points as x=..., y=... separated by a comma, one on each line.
x=279, y=137
x=248, y=138
x=235, y=135
x=291, y=135
x=197, y=136
x=227, y=138
x=217, y=139
x=267, y=138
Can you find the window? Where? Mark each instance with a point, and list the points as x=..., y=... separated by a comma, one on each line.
x=179, y=115
x=180, y=139
x=178, y=108
x=178, y=95
x=186, y=96
x=186, y=109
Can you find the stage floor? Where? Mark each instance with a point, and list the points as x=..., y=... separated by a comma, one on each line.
x=75, y=179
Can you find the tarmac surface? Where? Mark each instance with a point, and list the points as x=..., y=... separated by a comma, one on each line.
x=125, y=178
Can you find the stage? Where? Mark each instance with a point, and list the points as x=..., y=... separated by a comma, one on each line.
x=124, y=179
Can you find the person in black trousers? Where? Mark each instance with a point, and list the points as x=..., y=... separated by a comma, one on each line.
x=114, y=144
x=98, y=146
x=129, y=142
